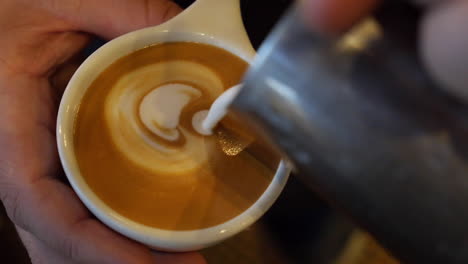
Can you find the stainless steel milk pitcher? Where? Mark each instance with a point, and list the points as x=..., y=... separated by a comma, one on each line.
x=363, y=123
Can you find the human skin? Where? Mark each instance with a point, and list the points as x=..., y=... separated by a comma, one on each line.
x=442, y=41
x=39, y=42
x=38, y=45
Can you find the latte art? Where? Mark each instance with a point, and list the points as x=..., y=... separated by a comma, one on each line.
x=160, y=109
x=205, y=121
x=139, y=152
x=143, y=112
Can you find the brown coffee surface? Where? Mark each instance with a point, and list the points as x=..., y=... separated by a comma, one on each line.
x=228, y=181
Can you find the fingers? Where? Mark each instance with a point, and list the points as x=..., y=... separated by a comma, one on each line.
x=186, y=258
x=34, y=200
x=52, y=212
x=111, y=18
x=443, y=36
x=38, y=252
x=334, y=16
x=41, y=254
x=62, y=75
x=444, y=42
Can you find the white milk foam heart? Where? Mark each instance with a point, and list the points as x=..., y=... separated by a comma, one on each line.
x=143, y=108
x=161, y=108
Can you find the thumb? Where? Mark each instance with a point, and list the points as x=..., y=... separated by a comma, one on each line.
x=112, y=18
x=444, y=43
x=334, y=16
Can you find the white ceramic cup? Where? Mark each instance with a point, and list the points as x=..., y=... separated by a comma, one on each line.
x=214, y=22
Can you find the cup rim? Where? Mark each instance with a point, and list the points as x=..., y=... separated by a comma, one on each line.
x=168, y=240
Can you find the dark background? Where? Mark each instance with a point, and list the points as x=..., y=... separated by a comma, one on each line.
x=299, y=228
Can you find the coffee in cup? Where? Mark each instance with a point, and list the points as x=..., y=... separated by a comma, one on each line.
x=138, y=152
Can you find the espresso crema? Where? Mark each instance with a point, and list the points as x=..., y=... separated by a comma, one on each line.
x=138, y=151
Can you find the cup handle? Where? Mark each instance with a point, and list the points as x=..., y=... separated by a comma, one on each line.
x=218, y=19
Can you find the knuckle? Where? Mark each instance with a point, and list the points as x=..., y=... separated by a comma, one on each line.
x=71, y=248
x=5, y=175
x=171, y=9
x=6, y=170
x=11, y=201
x=9, y=194
x=158, y=12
